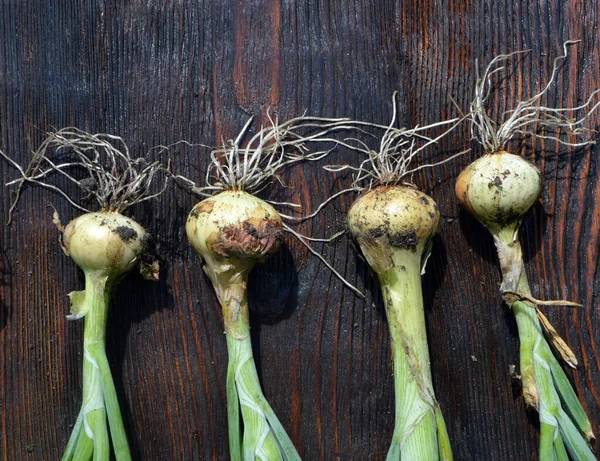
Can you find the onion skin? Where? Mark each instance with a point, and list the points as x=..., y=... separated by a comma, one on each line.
x=392, y=217
x=107, y=243
x=498, y=189
x=233, y=227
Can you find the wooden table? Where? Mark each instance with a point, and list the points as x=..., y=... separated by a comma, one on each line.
x=156, y=72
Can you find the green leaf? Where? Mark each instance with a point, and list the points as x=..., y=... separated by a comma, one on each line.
x=560, y=452
x=284, y=441
x=233, y=415
x=78, y=305
x=74, y=439
x=575, y=443
x=113, y=412
x=445, y=449
x=566, y=393
x=547, y=434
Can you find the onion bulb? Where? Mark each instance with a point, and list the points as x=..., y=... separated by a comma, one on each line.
x=498, y=189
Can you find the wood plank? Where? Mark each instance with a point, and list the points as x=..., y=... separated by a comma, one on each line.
x=158, y=71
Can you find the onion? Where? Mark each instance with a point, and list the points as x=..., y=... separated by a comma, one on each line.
x=106, y=245
x=499, y=188
x=231, y=231
x=393, y=226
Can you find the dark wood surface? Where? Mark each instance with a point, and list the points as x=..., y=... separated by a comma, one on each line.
x=156, y=72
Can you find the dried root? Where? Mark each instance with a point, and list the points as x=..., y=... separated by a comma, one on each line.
x=392, y=163
x=529, y=117
x=110, y=175
x=256, y=165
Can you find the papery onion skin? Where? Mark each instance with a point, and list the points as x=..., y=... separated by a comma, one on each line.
x=498, y=189
x=105, y=242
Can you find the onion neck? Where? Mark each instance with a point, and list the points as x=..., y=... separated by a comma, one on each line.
x=415, y=431
x=260, y=440
x=244, y=393
x=514, y=280
x=96, y=301
x=230, y=280
x=100, y=411
x=94, y=340
x=545, y=387
x=506, y=239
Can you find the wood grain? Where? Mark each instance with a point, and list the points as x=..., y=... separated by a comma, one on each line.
x=158, y=71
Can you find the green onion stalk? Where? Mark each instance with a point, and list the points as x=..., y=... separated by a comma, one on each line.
x=393, y=224
x=106, y=245
x=499, y=188
x=231, y=231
